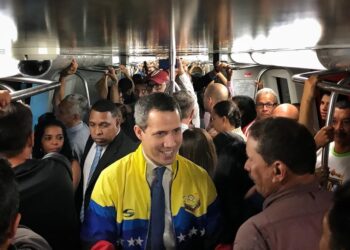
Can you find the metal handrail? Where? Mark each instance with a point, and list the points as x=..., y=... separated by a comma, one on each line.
x=24, y=93
x=86, y=87
x=25, y=80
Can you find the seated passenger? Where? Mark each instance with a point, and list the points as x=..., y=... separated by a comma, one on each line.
x=12, y=235
x=225, y=117
x=50, y=136
x=281, y=158
x=198, y=146
x=46, y=190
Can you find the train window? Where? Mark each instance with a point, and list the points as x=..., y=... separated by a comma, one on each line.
x=283, y=91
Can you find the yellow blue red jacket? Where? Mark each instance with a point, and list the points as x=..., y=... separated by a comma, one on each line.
x=119, y=210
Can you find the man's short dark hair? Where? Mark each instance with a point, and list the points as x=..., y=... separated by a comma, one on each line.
x=15, y=128
x=343, y=104
x=285, y=140
x=185, y=101
x=104, y=105
x=9, y=199
x=157, y=101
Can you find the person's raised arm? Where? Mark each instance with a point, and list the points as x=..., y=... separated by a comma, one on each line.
x=305, y=115
x=60, y=92
x=115, y=94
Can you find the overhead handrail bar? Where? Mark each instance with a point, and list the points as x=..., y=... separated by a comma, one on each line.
x=8, y=88
x=26, y=80
x=24, y=93
x=302, y=77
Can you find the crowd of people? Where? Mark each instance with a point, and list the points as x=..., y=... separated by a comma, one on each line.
x=146, y=168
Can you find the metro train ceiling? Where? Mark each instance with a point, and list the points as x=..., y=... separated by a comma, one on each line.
x=142, y=26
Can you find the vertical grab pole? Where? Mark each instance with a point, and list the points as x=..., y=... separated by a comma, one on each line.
x=325, y=149
x=172, y=52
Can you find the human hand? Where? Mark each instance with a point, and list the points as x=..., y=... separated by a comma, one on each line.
x=5, y=98
x=71, y=69
x=111, y=73
x=324, y=136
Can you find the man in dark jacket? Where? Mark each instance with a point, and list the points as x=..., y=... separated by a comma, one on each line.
x=107, y=144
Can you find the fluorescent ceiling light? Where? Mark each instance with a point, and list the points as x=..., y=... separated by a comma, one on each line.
x=296, y=59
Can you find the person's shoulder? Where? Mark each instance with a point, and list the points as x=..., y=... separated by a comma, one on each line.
x=27, y=239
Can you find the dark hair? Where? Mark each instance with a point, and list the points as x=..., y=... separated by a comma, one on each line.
x=343, y=104
x=285, y=140
x=157, y=101
x=15, y=128
x=104, y=105
x=138, y=79
x=232, y=183
x=230, y=110
x=44, y=121
x=246, y=107
x=185, y=101
x=198, y=146
x=9, y=197
x=339, y=219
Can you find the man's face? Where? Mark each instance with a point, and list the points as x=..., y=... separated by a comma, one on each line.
x=162, y=138
x=341, y=125
x=141, y=90
x=103, y=127
x=324, y=106
x=64, y=115
x=158, y=88
x=259, y=171
x=265, y=104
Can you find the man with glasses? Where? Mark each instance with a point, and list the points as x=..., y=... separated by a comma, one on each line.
x=265, y=102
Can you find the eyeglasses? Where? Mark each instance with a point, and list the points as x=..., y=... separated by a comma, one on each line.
x=267, y=105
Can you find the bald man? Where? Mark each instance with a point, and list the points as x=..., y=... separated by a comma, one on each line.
x=286, y=110
x=214, y=93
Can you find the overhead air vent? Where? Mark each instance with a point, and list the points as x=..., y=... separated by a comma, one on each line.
x=34, y=68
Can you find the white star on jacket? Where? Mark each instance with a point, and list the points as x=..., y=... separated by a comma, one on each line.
x=181, y=237
x=139, y=241
x=131, y=242
x=192, y=232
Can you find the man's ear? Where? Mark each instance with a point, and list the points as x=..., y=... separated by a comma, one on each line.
x=13, y=226
x=30, y=140
x=138, y=132
x=279, y=171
